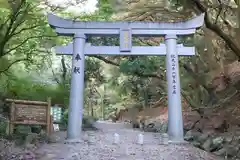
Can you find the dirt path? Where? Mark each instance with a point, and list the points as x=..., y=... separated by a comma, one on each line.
x=98, y=145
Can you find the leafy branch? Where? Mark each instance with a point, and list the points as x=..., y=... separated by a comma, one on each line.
x=12, y=63
x=25, y=41
x=215, y=28
x=24, y=29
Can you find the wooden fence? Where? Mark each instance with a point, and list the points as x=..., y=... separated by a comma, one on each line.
x=30, y=113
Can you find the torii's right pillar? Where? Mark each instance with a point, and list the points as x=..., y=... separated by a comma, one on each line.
x=175, y=120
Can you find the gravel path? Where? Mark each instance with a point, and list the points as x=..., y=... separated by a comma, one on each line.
x=98, y=145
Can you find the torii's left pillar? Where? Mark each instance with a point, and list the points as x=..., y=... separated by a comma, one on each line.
x=76, y=100
x=75, y=112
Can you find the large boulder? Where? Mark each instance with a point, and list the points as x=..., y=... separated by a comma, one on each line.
x=154, y=125
x=204, y=141
x=228, y=151
x=203, y=137
x=190, y=119
x=152, y=119
x=128, y=114
x=205, y=126
x=207, y=144
x=192, y=135
x=212, y=124
x=217, y=142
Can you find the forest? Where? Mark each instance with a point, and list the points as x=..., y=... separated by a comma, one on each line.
x=210, y=80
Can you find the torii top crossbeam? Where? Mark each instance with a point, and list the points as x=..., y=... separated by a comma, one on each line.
x=68, y=27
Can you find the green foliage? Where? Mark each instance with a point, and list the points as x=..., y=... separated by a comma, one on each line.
x=25, y=43
x=92, y=69
x=25, y=89
x=144, y=65
x=105, y=10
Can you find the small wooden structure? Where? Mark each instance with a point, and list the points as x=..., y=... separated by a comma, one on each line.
x=30, y=113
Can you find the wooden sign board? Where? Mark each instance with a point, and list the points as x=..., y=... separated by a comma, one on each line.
x=30, y=113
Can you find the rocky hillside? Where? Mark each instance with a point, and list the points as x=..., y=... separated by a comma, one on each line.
x=214, y=128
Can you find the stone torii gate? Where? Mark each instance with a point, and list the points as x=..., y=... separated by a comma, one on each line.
x=79, y=48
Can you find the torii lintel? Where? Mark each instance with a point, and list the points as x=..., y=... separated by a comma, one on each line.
x=68, y=27
x=114, y=50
